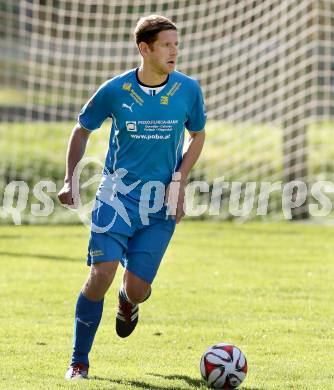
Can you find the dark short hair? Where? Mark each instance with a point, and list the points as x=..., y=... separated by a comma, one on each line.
x=149, y=27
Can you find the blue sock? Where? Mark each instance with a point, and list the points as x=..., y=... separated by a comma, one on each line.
x=87, y=319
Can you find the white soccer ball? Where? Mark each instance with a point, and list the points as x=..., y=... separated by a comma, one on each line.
x=223, y=366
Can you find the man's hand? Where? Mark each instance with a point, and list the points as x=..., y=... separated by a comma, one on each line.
x=66, y=196
x=175, y=200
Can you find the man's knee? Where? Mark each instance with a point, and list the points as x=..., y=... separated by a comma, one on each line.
x=136, y=289
x=137, y=294
x=103, y=273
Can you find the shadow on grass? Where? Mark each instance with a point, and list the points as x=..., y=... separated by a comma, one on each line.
x=39, y=256
x=251, y=388
x=190, y=381
x=9, y=237
x=142, y=385
x=134, y=384
x=195, y=383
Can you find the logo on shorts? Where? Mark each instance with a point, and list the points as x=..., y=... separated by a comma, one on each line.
x=96, y=253
x=131, y=125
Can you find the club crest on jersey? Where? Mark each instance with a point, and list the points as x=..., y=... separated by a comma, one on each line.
x=131, y=125
x=127, y=86
x=164, y=100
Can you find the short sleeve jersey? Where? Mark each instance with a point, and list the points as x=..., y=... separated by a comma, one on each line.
x=147, y=132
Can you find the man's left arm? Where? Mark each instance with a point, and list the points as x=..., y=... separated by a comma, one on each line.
x=175, y=201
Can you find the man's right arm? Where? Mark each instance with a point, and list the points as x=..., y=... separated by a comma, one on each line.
x=75, y=151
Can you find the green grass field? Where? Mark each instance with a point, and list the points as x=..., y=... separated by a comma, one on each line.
x=268, y=288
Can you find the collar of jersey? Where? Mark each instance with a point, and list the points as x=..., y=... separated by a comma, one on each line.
x=150, y=86
x=142, y=93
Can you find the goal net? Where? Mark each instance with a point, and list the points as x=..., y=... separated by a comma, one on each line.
x=266, y=69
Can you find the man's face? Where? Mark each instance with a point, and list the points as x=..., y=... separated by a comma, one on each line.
x=162, y=54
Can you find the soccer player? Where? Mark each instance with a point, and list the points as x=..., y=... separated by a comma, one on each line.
x=141, y=195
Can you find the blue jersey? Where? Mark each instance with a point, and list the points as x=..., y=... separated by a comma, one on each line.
x=147, y=133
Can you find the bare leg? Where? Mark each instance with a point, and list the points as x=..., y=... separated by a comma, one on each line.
x=136, y=289
x=99, y=280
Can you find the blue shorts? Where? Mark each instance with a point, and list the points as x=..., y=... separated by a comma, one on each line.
x=139, y=246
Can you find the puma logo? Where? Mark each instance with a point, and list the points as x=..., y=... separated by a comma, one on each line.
x=124, y=105
x=85, y=323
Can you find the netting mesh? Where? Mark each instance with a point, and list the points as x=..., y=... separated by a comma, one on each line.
x=266, y=69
